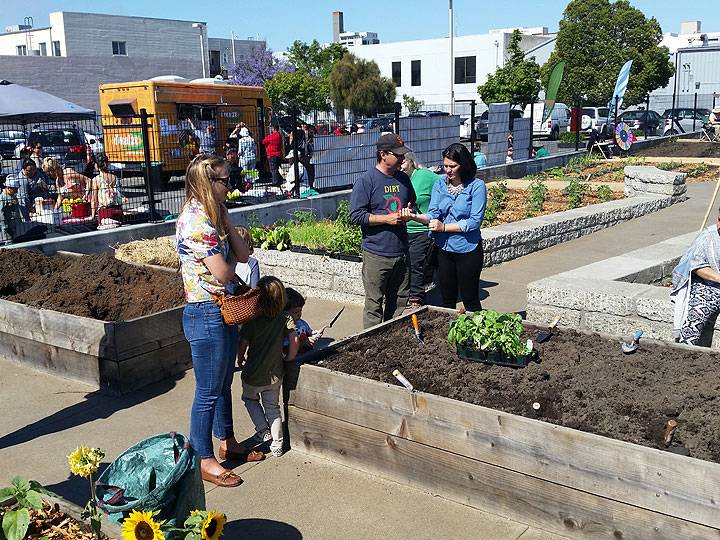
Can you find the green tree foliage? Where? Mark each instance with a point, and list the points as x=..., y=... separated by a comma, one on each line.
x=517, y=82
x=357, y=85
x=411, y=104
x=298, y=89
x=313, y=58
x=595, y=39
x=307, y=88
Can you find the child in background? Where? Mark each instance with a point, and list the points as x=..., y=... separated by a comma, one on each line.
x=294, y=307
x=249, y=272
x=263, y=372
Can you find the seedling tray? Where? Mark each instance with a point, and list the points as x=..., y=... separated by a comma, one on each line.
x=495, y=357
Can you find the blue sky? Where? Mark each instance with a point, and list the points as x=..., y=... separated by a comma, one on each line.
x=282, y=21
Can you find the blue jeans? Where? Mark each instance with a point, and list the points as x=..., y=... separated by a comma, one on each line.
x=213, y=345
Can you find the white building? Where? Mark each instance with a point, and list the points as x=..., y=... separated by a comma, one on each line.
x=421, y=68
x=696, y=57
x=77, y=52
x=355, y=39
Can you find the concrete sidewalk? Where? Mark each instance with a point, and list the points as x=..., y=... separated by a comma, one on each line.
x=44, y=418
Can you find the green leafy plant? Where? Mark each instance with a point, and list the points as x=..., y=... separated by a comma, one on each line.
x=488, y=330
x=555, y=171
x=258, y=235
x=343, y=213
x=698, y=169
x=668, y=165
x=496, y=202
x=85, y=462
x=538, y=194
x=346, y=240
x=635, y=160
x=27, y=495
x=277, y=237
x=575, y=191
x=303, y=217
x=568, y=137
x=604, y=193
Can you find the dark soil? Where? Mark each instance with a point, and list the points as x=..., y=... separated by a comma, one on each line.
x=95, y=286
x=583, y=381
x=682, y=149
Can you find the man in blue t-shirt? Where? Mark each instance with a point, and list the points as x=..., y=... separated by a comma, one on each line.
x=377, y=198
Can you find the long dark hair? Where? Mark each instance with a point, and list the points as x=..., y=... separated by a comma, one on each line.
x=461, y=155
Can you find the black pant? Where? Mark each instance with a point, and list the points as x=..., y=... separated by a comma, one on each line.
x=460, y=271
x=421, y=271
x=310, y=169
x=274, y=170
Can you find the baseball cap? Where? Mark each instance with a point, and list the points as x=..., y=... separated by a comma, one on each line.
x=390, y=142
x=12, y=182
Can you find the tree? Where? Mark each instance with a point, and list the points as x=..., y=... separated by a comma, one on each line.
x=300, y=90
x=356, y=84
x=595, y=39
x=517, y=82
x=411, y=104
x=257, y=67
x=313, y=58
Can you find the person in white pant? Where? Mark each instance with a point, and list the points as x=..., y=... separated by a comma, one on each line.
x=263, y=370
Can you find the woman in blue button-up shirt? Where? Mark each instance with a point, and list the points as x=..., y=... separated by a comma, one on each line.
x=457, y=206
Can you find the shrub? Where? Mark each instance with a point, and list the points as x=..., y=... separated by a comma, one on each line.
x=604, y=193
x=538, y=195
x=668, y=165
x=575, y=191
x=698, y=169
x=568, y=137
x=496, y=202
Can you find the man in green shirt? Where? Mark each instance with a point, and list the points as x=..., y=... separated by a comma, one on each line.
x=421, y=246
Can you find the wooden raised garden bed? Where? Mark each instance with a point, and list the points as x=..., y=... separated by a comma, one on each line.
x=52, y=311
x=525, y=466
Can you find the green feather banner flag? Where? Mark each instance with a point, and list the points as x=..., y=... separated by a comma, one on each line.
x=552, y=89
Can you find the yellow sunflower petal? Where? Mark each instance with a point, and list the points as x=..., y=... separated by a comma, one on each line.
x=141, y=526
x=213, y=526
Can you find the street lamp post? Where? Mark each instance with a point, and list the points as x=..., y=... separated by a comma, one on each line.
x=232, y=40
x=452, y=59
x=202, y=47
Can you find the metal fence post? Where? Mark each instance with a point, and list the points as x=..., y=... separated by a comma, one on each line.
x=714, y=96
x=397, y=108
x=148, y=164
x=472, y=126
x=296, y=165
x=694, y=111
x=617, y=102
x=532, y=124
x=647, y=114
x=578, y=122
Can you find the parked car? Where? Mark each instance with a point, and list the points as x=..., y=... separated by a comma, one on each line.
x=558, y=122
x=428, y=113
x=66, y=144
x=382, y=124
x=327, y=128
x=481, y=124
x=9, y=140
x=636, y=120
x=684, y=119
x=595, y=119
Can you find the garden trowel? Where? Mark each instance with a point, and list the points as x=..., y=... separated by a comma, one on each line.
x=544, y=336
x=629, y=348
x=416, y=329
x=335, y=318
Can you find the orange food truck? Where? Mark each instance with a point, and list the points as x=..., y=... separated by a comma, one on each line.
x=179, y=114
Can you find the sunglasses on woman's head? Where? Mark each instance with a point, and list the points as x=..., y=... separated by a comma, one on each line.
x=224, y=180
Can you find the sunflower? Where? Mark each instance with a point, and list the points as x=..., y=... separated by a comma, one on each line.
x=85, y=461
x=213, y=526
x=141, y=526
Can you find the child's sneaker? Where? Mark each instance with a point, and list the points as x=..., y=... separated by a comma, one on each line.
x=276, y=452
x=263, y=436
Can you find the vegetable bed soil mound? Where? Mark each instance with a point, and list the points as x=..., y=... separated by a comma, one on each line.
x=682, y=149
x=583, y=381
x=95, y=286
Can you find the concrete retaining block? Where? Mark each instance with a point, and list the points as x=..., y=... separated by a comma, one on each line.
x=648, y=179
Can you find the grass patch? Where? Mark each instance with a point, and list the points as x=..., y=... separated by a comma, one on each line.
x=312, y=235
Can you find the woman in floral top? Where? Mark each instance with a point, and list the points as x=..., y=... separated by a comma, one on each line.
x=209, y=248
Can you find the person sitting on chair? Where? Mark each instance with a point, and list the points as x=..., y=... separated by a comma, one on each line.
x=714, y=122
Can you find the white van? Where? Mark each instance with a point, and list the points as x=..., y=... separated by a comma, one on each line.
x=558, y=122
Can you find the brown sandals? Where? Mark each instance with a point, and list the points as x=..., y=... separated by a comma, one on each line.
x=224, y=479
x=245, y=455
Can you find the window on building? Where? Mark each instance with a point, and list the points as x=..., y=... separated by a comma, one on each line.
x=397, y=73
x=21, y=50
x=43, y=49
x=465, y=70
x=56, y=48
x=415, y=73
x=119, y=48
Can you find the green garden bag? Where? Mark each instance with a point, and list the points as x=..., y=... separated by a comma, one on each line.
x=160, y=473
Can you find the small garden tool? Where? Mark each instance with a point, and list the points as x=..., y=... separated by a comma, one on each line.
x=629, y=348
x=670, y=427
x=544, y=336
x=416, y=329
x=400, y=377
x=335, y=318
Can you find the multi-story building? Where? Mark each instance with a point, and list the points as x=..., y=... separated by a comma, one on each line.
x=79, y=51
x=421, y=68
